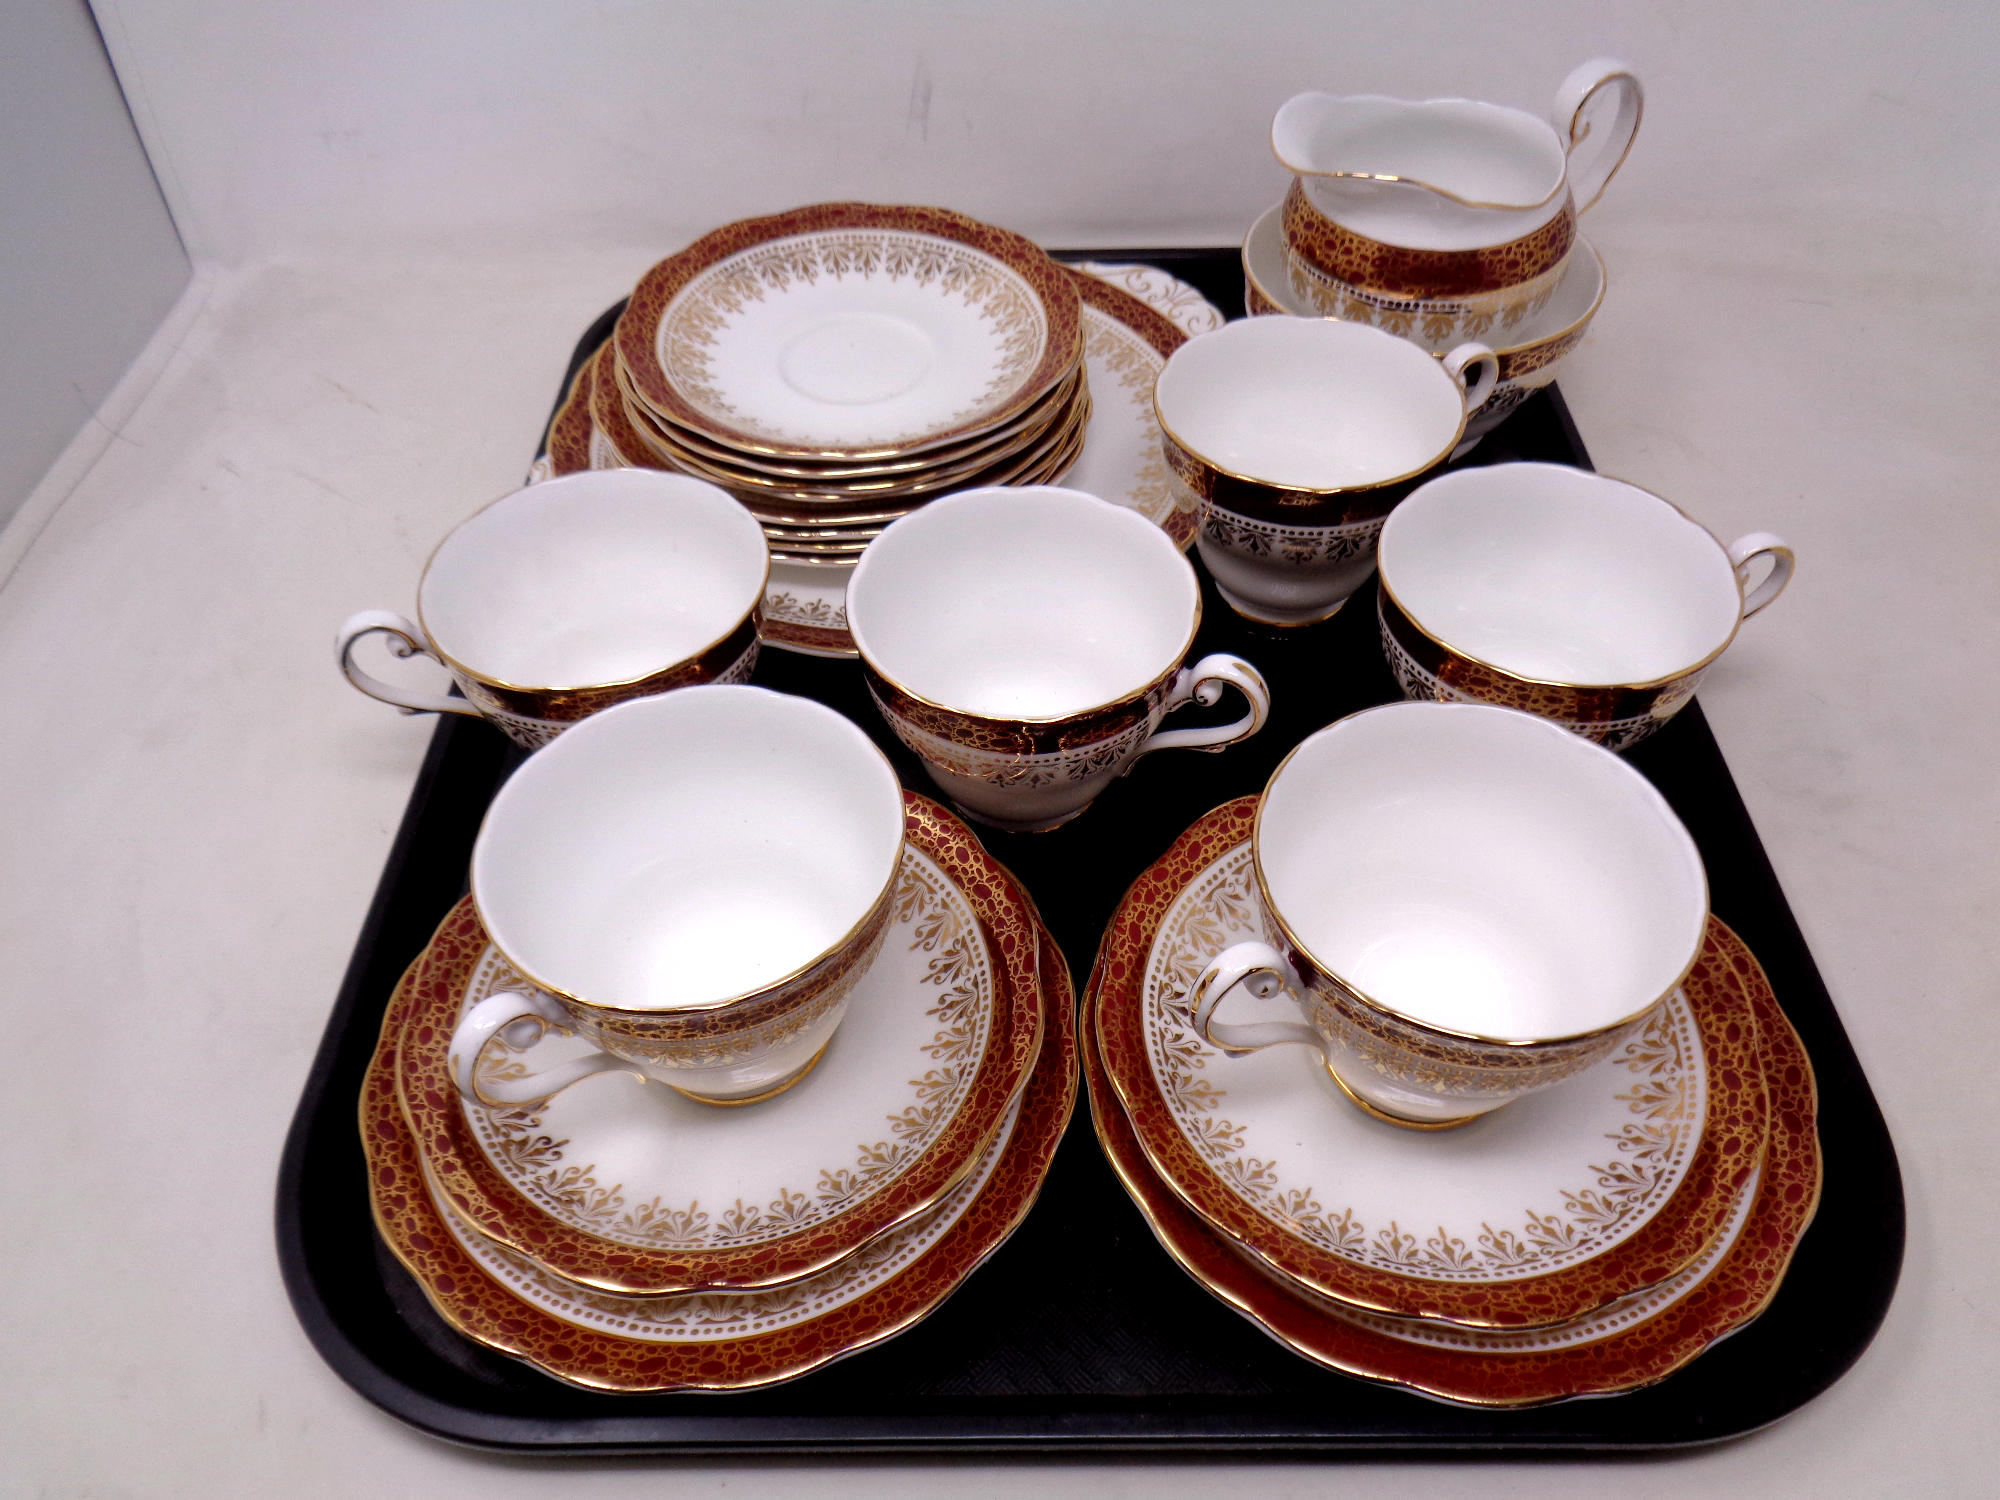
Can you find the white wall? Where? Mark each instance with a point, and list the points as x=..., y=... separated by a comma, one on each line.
x=89, y=262
x=286, y=128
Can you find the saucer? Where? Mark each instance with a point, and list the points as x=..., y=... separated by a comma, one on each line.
x=1632, y=1342
x=624, y=1186
x=805, y=610
x=1538, y=1213
x=1528, y=353
x=717, y=1341
x=849, y=331
x=1133, y=318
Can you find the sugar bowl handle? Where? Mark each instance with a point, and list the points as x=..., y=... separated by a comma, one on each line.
x=1744, y=551
x=1262, y=970
x=493, y=1015
x=405, y=641
x=1203, y=683
x=1597, y=145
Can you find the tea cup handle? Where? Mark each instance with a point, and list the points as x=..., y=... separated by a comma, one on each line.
x=1455, y=364
x=1592, y=168
x=405, y=641
x=1203, y=682
x=1263, y=970
x=1744, y=551
x=493, y=1015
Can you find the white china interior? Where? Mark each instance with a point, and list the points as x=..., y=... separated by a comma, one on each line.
x=1327, y=1173
x=1309, y=403
x=682, y=849
x=593, y=578
x=695, y=1177
x=1436, y=174
x=1481, y=870
x=1030, y=602
x=1559, y=574
x=716, y=1316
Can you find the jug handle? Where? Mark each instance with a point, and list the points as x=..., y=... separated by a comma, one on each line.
x=1597, y=151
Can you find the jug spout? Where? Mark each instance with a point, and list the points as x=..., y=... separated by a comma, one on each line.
x=1478, y=156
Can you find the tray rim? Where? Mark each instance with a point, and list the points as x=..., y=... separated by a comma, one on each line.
x=1002, y=1426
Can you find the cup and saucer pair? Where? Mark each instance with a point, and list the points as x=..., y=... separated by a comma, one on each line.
x=1587, y=1239
x=621, y=1234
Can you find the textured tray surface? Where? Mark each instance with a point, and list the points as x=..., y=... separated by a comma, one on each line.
x=1081, y=1334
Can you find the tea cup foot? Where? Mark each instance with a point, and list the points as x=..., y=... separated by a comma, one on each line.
x=771, y=1091
x=1283, y=619
x=1376, y=1112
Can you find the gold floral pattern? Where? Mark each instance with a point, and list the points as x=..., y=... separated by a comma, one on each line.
x=1398, y=271
x=481, y=1308
x=901, y=240
x=1301, y=546
x=1638, y=1340
x=1628, y=1226
x=707, y=1316
x=1615, y=717
x=522, y=1186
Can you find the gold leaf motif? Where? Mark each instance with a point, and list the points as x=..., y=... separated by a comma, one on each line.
x=1653, y=1143
x=926, y=906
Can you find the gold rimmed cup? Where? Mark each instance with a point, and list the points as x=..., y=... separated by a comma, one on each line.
x=1026, y=643
x=1468, y=903
x=1568, y=594
x=560, y=600
x=1294, y=438
x=693, y=883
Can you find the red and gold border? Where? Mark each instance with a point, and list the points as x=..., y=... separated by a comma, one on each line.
x=1736, y=1290
x=569, y=433
x=487, y=1202
x=1152, y=325
x=1399, y=271
x=1260, y=500
x=479, y=1307
x=638, y=327
x=980, y=450
x=1021, y=736
x=567, y=705
x=1731, y=1145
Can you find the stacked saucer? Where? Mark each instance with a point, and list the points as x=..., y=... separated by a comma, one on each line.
x=1589, y=1239
x=1133, y=318
x=1530, y=340
x=622, y=1237
x=835, y=366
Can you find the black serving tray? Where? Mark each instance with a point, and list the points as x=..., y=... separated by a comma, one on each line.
x=1080, y=1335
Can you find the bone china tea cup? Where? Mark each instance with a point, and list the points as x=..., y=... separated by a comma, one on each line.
x=1581, y=598
x=1294, y=437
x=1026, y=643
x=577, y=593
x=692, y=883
x=1468, y=903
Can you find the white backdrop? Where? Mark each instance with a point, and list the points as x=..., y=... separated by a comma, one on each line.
x=279, y=129
x=405, y=212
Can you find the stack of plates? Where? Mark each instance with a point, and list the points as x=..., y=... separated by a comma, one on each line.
x=836, y=366
x=623, y=1237
x=1133, y=318
x=1586, y=1240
